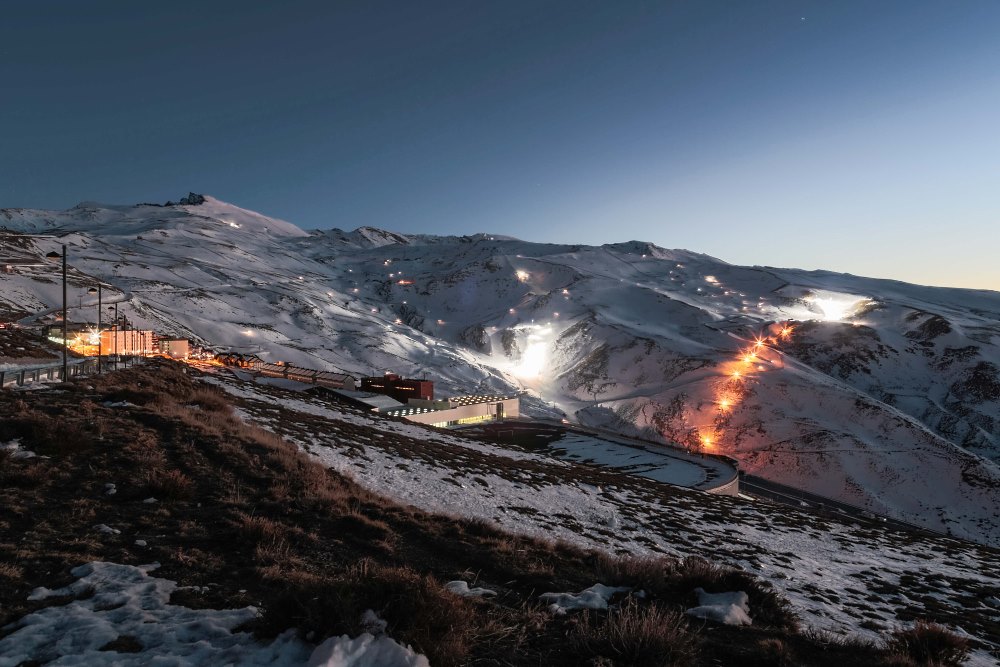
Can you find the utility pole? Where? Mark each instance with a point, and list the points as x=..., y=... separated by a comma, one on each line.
x=65, y=335
x=99, y=308
x=52, y=256
x=99, y=336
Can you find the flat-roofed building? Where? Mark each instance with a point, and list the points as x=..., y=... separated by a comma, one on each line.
x=402, y=389
x=175, y=348
x=130, y=342
x=459, y=411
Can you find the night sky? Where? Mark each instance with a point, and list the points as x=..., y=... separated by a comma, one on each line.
x=854, y=136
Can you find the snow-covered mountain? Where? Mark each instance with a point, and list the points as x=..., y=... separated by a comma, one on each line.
x=879, y=393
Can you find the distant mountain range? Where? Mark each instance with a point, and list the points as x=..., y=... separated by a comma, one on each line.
x=878, y=393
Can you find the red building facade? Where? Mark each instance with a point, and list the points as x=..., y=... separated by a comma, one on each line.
x=402, y=389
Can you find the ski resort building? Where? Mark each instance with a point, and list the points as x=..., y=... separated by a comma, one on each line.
x=131, y=342
x=458, y=411
x=175, y=348
x=401, y=389
x=327, y=379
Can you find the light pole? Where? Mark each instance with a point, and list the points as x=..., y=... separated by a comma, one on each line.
x=99, y=350
x=115, y=329
x=52, y=256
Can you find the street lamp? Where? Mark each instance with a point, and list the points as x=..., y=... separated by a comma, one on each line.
x=53, y=256
x=115, y=320
x=91, y=291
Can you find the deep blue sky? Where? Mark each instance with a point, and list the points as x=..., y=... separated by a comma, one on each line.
x=852, y=135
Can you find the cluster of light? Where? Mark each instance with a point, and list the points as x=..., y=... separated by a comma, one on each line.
x=729, y=393
x=836, y=307
x=523, y=276
x=404, y=282
x=536, y=352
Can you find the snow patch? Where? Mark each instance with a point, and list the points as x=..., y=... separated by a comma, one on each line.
x=725, y=608
x=462, y=588
x=595, y=597
x=16, y=451
x=127, y=602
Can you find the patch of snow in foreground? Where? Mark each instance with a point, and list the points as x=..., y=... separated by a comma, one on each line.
x=16, y=451
x=726, y=608
x=462, y=588
x=595, y=597
x=364, y=651
x=127, y=602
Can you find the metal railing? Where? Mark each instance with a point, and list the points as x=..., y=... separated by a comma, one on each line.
x=19, y=377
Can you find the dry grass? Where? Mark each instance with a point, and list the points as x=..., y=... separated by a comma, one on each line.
x=416, y=607
x=11, y=571
x=170, y=484
x=636, y=634
x=929, y=644
x=672, y=578
x=250, y=514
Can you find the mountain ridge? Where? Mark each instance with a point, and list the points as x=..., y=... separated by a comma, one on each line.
x=884, y=396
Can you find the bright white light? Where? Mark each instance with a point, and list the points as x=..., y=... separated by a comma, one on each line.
x=837, y=307
x=536, y=353
x=712, y=280
x=522, y=275
x=234, y=225
x=248, y=332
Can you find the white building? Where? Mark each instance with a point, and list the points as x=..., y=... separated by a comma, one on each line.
x=132, y=342
x=459, y=411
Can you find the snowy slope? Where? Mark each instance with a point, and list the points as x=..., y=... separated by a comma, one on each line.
x=885, y=395
x=841, y=575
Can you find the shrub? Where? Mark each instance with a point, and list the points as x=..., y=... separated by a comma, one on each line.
x=929, y=644
x=634, y=634
x=260, y=528
x=416, y=607
x=170, y=485
x=767, y=606
x=648, y=573
x=675, y=580
x=775, y=652
x=210, y=399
